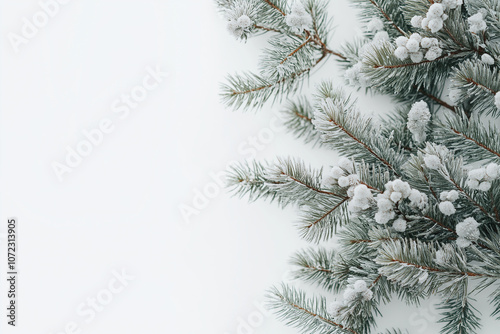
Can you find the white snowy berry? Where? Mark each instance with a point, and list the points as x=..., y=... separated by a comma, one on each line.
x=468, y=230
x=463, y=242
x=484, y=186
x=477, y=174
x=473, y=184
x=384, y=204
x=239, y=26
x=399, y=225
x=401, y=41
x=418, y=200
x=416, y=21
x=361, y=200
x=360, y=286
x=401, y=53
x=383, y=217
x=334, y=308
x=413, y=45
x=375, y=24
x=425, y=22
x=435, y=10
x=435, y=24
x=350, y=295
x=426, y=42
x=451, y=196
x=244, y=21
x=346, y=164
x=298, y=19
x=493, y=171
x=381, y=36
x=417, y=57
x=337, y=172
x=432, y=161
x=416, y=37
x=343, y=181
x=487, y=59
x=396, y=196
x=433, y=53
x=418, y=118
x=402, y=187
x=497, y=100
x=447, y=208
x=477, y=23
x=367, y=294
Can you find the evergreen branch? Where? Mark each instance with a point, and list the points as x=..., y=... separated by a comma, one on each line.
x=337, y=118
x=318, y=266
x=436, y=99
x=477, y=83
x=275, y=7
x=297, y=117
x=459, y=315
x=297, y=310
x=387, y=17
x=319, y=219
x=469, y=137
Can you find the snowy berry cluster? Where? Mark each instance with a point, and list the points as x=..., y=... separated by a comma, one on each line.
x=361, y=200
x=239, y=26
x=447, y=198
x=467, y=232
x=481, y=178
x=416, y=46
x=377, y=26
x=395, y=192
x=344, y=175
x=355, y=291
x=298, y=19
x=477, y=24
x=434, y=19
x=418, y=117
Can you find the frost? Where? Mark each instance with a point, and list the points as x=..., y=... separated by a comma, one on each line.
x=432, y=161
x=447, y=208
x=298, y=19
x=497, y=100
x=477, y=23
x=481, y=178
x=416, y=21
x=418, y=118
x=334, y=308
x=467, y=232
x=361, y=199
x=346, y=164
x=399, y=225
x=487, y=59
x=435, y=18
x=375, y=24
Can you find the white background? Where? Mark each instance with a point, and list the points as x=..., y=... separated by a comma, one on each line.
x=120, y=208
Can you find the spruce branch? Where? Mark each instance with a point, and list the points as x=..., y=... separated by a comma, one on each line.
x=307, y=314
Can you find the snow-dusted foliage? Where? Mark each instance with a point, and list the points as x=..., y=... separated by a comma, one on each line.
x=412, y=209
x=298, y=18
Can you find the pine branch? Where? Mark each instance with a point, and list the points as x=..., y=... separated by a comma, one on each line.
x=308, y=314
x=343, y=127
x=298, y=120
